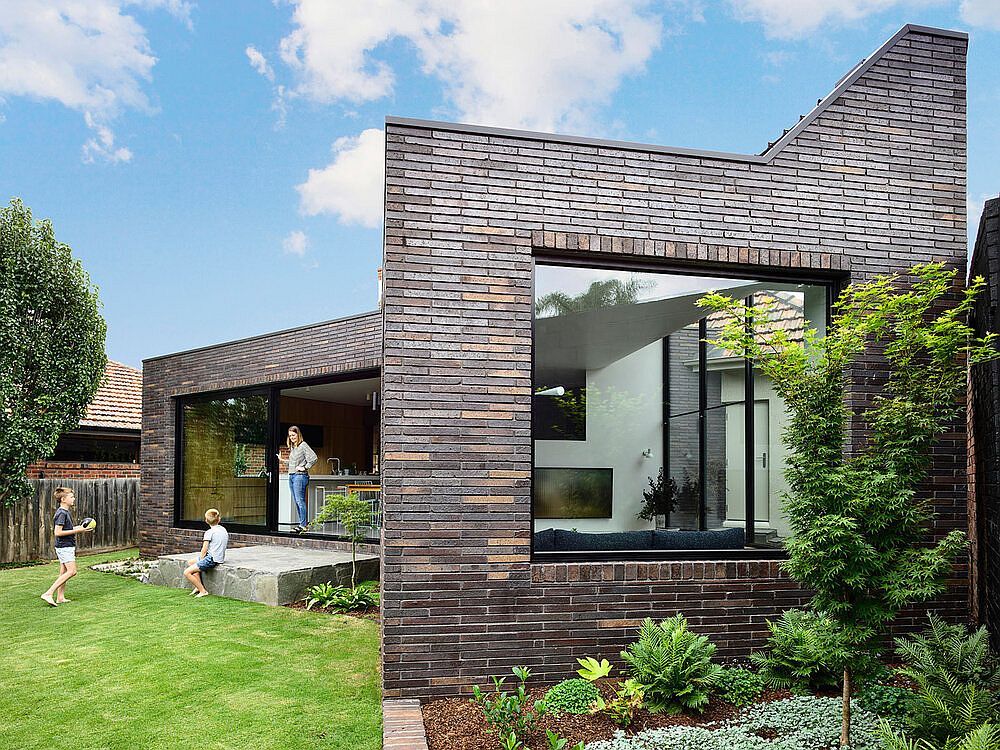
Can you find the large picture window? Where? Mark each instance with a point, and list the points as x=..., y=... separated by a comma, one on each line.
x=687, y=435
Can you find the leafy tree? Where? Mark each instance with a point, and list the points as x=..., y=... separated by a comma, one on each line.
x=51, y=345
x=604, y=293
x=354, y=514
x=861, y=537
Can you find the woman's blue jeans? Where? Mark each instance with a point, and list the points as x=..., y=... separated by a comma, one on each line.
x=298, y=483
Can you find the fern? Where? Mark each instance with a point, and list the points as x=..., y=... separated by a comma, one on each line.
x=673, y=666
x=950, y=650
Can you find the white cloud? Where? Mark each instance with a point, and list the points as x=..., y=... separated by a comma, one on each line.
x=179, y=9
x=295, y=243
x=351, y=187
x=259, y=63
x=88, y=56
x=103, y=145
x=519, y=63
x=787, y=19
x=984, y=13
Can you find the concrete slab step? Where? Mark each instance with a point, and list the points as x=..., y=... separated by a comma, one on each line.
x=267, y=573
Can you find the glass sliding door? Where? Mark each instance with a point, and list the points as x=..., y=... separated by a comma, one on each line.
x=225, y=459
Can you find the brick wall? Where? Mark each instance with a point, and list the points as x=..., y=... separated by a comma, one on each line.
x=872, y=181
x=82, y=470
x=330, y=348
x=984, y=432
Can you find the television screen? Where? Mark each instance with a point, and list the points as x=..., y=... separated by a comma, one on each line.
x=573, y=493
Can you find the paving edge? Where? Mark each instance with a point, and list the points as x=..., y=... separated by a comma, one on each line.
x=403, y=725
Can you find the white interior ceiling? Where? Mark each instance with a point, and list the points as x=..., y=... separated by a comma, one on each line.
x=355, y=392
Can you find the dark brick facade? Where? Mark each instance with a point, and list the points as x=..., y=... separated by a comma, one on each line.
x=871, y=181
x=984, y=432
x=330, y=348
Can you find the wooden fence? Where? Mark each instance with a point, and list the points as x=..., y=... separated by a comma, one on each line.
x=26, y=531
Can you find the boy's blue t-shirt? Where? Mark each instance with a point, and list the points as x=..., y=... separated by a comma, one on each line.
x=63, y=518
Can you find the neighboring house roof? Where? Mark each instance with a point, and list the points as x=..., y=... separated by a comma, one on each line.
x=118, y=403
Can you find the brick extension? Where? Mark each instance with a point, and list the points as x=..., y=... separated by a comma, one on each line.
x=872, y=181
x=330, y=348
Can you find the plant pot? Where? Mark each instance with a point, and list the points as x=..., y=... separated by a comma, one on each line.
x=661, y=520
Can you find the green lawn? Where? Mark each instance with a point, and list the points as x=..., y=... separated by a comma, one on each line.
x=126, y=665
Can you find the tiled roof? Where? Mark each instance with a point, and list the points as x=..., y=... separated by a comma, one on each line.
x=118, y=403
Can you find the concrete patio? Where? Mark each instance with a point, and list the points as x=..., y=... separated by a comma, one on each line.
x=268, y=574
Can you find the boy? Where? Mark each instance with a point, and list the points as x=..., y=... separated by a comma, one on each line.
x=65, y=533
x=213, y=552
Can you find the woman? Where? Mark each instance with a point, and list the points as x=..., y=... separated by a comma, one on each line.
x=300, y=459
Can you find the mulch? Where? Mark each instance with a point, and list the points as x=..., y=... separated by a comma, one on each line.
x=458, y=724
x=364, y=614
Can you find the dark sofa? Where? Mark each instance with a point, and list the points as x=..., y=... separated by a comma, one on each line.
x=561, y=540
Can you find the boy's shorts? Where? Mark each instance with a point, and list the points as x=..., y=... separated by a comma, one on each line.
x=66, y=554
x=206, y=563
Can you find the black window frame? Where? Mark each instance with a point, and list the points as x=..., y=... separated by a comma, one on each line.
x=273, y=392
x=833, y=281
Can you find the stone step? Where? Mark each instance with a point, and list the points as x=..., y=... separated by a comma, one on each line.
x=267, y=573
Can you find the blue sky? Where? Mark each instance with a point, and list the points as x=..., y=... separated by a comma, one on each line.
x=216, y=166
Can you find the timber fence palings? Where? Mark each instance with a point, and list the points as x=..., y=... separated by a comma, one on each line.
x=26, y=531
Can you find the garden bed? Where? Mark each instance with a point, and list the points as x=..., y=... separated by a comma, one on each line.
x=458, y=723
x=371, y=613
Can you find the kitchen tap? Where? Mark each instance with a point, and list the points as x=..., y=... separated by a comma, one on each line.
x=331, y=460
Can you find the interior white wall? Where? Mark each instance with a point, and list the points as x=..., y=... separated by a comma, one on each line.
x=624, y=418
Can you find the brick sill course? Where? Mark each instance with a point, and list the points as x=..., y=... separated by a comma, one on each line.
x=403, y=725
x=686, y=570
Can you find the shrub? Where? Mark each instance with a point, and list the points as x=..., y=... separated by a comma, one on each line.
x=343, y=598
x=807, y=652
x=593, y=669
x=945, y=649
x=623, y=707
x=572, y=696
x=956, y=676
x=889, y=702
x=801, y=723
x=738, y=686
x=510, y=715
x=673, y=666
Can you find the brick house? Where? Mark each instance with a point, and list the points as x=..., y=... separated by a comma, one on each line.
x=984, y=432
x=538, y=367
x=106, y=443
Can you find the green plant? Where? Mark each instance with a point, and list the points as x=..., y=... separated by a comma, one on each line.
x=890, y=702
x=738, y=686
x=944, y=650
x=52, y=353
x=660, y=499
x=860, y=534
x=510, y=741
x=353, y=514
x=625, y=704
x=510, y=715
x=805, y=652
x=673, y=666
x=342, y=598
x=592, y=669
x=240, y=461
x=800, y=723
x=983, y=737
x=957, y=676
x=571, y=696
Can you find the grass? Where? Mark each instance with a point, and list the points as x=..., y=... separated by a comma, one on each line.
x=127, y=665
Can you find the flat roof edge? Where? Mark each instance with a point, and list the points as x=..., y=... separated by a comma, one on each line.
x=764, y=157
x=261, y=336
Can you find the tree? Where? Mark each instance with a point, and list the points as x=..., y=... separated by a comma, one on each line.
x=51, y=345
x=861, y=536
x=604, y=293
x=353, y=513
